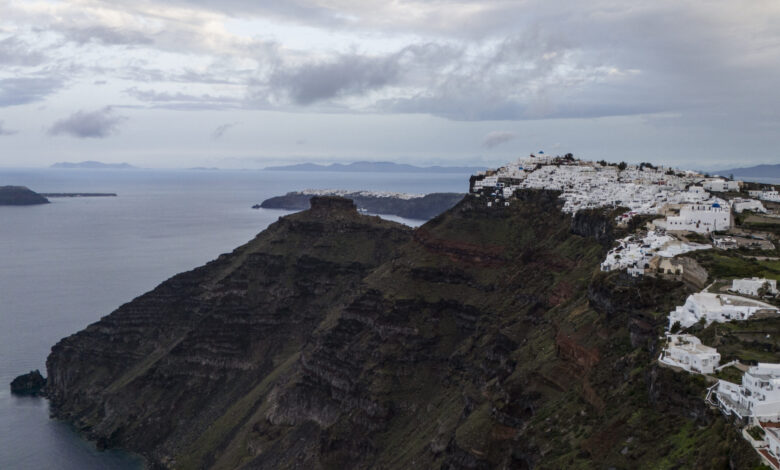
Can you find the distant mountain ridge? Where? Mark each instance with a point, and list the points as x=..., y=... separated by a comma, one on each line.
x=366, y=166
x=758, y=171
x=91, y=164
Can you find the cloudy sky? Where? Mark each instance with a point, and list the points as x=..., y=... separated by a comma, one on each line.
x=246, y=83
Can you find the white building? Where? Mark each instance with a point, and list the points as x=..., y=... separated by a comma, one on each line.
x=635, y=253
x=720, y=185
x=700, y=218
x=772, y=438
x=772, y=196
x=741, y=205
x=716, y=308
x=757, y=397
x=687, y=352
x=752, y=285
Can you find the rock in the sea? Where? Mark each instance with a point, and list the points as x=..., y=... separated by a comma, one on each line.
x=20, y=196
x=30, y=383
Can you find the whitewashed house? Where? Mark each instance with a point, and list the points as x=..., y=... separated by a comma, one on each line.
x=741, y=205
x=751, y=286
x=772, y=195
x=687, y=352
x=700, y=218
x=721, y=185
x=772, y=438
x=716, y=308
x=757, y=397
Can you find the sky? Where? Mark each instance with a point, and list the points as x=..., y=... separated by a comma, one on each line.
x=250, y=83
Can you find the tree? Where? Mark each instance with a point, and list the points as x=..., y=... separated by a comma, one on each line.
x=764, y=289
x=622, y=166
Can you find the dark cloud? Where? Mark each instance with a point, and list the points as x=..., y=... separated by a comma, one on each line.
x=23, y=90
x=347, y=75
x=355, y=74
x=220, y=130
x=4, y=131
x=497, y=138
x=89, y=124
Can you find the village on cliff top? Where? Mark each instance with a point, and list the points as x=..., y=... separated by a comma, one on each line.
x=678, y=212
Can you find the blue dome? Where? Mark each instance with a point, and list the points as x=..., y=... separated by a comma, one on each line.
x=715, y=204
x=541, y=151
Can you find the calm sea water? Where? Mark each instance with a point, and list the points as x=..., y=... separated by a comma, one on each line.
x=66, y=264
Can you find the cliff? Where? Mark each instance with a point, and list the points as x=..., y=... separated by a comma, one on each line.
x=420, y=208
x=487, y=338
x=20, y=196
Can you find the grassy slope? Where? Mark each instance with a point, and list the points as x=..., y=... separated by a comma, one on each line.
x=537, y=378
x=578, y=415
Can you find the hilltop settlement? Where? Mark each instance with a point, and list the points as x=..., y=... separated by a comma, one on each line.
x=668, y=213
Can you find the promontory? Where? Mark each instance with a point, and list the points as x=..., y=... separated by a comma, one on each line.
x=20, y=196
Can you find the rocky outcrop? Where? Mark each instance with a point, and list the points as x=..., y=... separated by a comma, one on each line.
x=420, y=208
x=30, y=383
x=334, y=340
x=20, y=196
x=594, y=223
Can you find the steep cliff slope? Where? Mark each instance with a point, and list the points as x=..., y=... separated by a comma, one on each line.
x=158, y=371
x=487, y=338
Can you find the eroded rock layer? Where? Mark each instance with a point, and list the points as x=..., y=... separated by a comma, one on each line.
x=487, y=338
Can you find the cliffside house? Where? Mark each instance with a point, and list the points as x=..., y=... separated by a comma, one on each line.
x=716, y=308
x=687, y=352
x=757, y=397
x=772, y=437
x=754, y=285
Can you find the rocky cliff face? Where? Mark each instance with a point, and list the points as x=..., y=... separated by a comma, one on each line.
x=481, y=340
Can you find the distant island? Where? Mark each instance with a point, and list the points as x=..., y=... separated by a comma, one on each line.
x=24, y=196
x=20, y=196
x=52, y=195
x=93, y=165
x=409, y=206
x=363, y=167
x=758, y=171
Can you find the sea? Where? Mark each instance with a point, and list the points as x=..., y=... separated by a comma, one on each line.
x=66, y=264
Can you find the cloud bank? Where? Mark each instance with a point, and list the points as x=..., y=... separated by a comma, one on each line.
x=89, y=125
x=676, y=68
